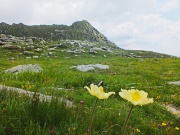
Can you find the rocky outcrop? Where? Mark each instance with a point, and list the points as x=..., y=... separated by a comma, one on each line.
x=85, y=68
x=80, y=37
x=23, y=68
x=88, y=32
x=42, y=97
x=80, y=30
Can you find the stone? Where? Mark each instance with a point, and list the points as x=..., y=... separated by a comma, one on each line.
x=23, y=68
x=12, y=58
x=35, y=57
x=28, y=53
x=85, y=68
x=92, y=51
x=174, y=110
x=10, y=47
x=28, y=57
x=2, y=43
x=30, y=41
x=175, y=82
x=50, y=53
x=41, y=97
x=38, y=50
x=51, y=49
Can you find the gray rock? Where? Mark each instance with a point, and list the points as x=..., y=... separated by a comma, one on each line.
x=50, y=53
x=174, y=110
x=28, y=57
x=30, y=41
x=35, y=57
x=2, y=43
x=92, y=51
x=12, y=58
x=38, y=50
x=175, y=82
x=42, y=97
x=85, y=68
x=7, y=46
x=10, y=47
x=24, y=68
x=28, y=53
x=51, y=49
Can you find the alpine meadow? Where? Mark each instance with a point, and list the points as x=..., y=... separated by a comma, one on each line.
x=72, y=80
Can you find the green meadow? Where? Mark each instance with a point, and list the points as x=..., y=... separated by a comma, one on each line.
x=24, y=115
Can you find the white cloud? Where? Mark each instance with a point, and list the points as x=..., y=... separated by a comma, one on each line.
x=170, y=5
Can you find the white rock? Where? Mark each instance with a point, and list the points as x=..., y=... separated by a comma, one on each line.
x=85, y=68
x=23, y=68
x=175, y=82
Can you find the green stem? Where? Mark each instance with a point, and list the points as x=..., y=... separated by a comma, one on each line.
x=125, y=124
x=91, y=118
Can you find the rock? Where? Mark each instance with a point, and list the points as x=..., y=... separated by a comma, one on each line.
x=51, y=49
x=43, y=42
x=175, y=82
x=2, y=43
x=41, y=97
x=28, y=57
x=92, y=51
x=50, y=53
x=12, y=58
x=85, y=68
x=30, y=41
x=2, y=36
x=61, y=46
x=23, y=68
x=38, y=50
x=35, y=57
x=76, y=51
x=10, y=47
x=28, y=53
x=174, y=110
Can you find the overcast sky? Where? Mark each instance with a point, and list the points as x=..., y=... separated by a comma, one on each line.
x=152, y=25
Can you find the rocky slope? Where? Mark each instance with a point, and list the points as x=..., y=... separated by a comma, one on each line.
x=81, y=30
x=80, y=37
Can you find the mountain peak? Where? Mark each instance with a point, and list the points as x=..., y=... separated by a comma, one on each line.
x=89, y=32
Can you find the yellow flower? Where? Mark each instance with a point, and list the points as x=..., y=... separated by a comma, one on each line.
x=164, y=124
x=138, y=130
x=136, y=97
x=176, y=128
x=98, y=92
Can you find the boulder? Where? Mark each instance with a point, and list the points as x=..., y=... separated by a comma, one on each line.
x=10, y=47
x=2, y=43
x=85, y=68
x=28, y=53
x=23, y=68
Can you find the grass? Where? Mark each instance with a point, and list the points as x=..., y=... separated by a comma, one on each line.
x=28, y=115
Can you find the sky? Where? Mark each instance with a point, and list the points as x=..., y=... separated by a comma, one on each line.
x=151, y=25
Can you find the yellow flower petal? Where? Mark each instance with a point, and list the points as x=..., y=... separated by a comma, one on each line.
x=98, y=92
x=125, y=94
x=135, y=96
x=105, y=95
x=138, y=130
x=145, y=101
x=163, y=124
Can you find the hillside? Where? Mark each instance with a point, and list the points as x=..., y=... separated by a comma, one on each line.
x=81, y=33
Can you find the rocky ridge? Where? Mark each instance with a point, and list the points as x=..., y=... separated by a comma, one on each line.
x=49, y=40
